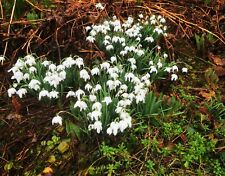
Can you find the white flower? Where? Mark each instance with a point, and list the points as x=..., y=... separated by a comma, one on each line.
x=88, y=87
x=84, y=75
x=92, y=98
x=105, y=66
x=70, y=94
x=97, y=106
x=57, y=120
x=81, y=104
x=184, y=70
x=46, y=63
x=26, y=76
x=2, y=59
x=90, y=39
x=165, y=55
x=34, y=84
x=153, y=69
x=129, y=77
x=94, y=115
x=95, y=71
x=162, y=20
x=174, y=77
x=99, y=6
x=53, y=94
x=141, y=16
x=43, y=93
x=132, y=60
x=68, y=62
x=97, y=87
x=61, y=67
x=32, y=70
x=21, y=92
x=159, y=64
x=168, y=69
x=30, y=60
x=113, y=129
x=87, y=28
x=149, y=39
x=11, y=91
x=113, y=59
x=18, y=76
x=78, y=93
x=98, y=126
x=174, y=68
x=79, y=62
x=52, y=67
x=107, y=100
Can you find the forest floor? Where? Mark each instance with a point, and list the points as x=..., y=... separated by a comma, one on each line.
x=192, y=143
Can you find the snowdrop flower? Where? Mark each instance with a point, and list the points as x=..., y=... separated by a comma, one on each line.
x=34, y=84
x=2, y=59
x=174, y=68
x=52, y=67
x=68, y=62
x=61, y=67
x=113, y=59
x=46, y=63
x=97, y=87
x=165, y=55
x=43, y=93
x=18, y=76
x=53, y=94
x=129, y=77
x=99, y=6
x=168, y=69
x=184, y=70
x=92, y=98
x=90, y=39
x=149, y=39
x=32, y=70
x=140, y=52
x=11, y=91
x=141, y=16
x=95, y=115
x=84, y=75
x=95, y=71
x=109, y=47
x=174, y=77
x=153, y=69
x=110, y=84
x=81, y=104
x=106, y=42
x=105, y=66
x=159, y=64
x=113, y=129
x=26, y=76
x=30, y=60
x=79, y=62
x=88, y=87
x=96, y=126
x=57, y=120
x=97, y=106
x=70, y=94
x=162, y=20
x=78, y=93
x=107, y=100
x=132, y=60
x=87, y=28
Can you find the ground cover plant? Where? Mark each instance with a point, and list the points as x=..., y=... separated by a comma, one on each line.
x=127, y=110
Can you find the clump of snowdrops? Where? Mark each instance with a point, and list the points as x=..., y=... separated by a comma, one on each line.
x=103, y=97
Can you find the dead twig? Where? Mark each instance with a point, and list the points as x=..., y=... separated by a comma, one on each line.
x=9, y=27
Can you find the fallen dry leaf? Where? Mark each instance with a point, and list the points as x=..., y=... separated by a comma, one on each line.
x=219, y=70
x=16, y=104
x=216, y=59
x=207, y=95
